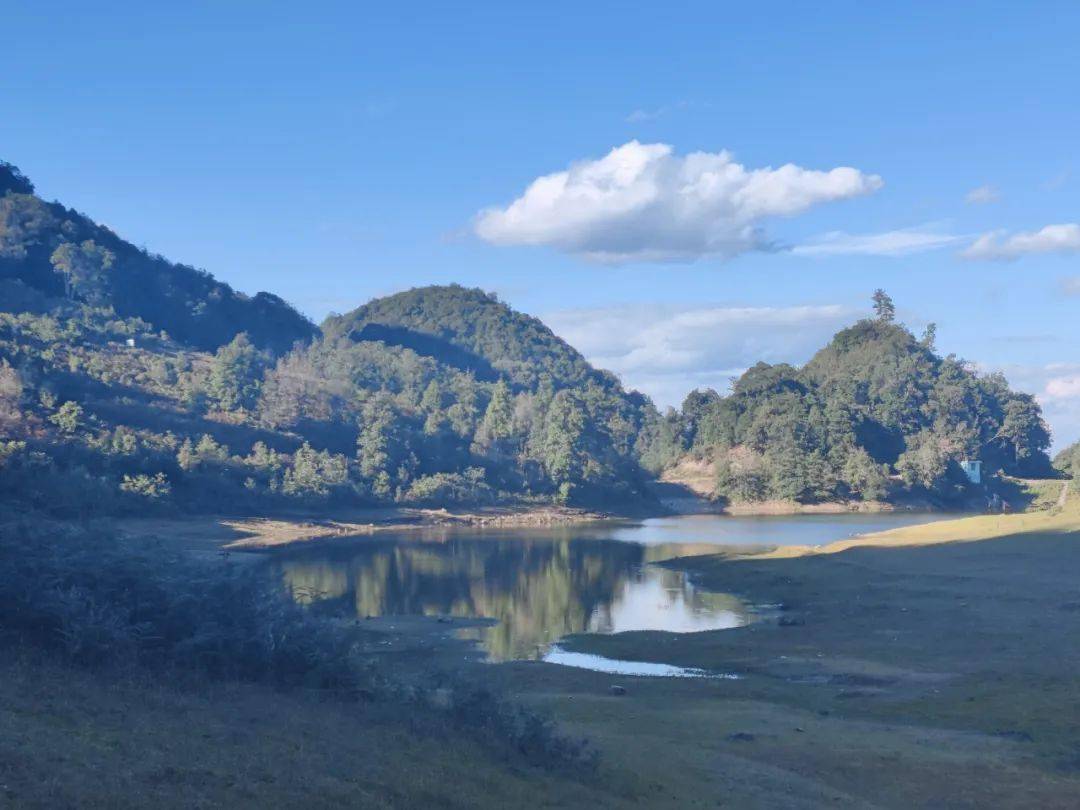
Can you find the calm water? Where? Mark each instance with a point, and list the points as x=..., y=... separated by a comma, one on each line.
x=542, y=585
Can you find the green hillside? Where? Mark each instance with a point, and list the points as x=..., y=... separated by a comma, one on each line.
x=128, y=382
x=51, y=255
x=876, y=414
x=440, y=320
x=447, y=381
x=1068, y=460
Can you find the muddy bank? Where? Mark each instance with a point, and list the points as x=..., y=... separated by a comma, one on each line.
x=684, y=493
x=205, y=533
x=828, y=508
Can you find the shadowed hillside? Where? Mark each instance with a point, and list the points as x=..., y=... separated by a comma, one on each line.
x=51, y=255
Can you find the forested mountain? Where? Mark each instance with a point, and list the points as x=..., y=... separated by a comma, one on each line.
x=447, y=388
x=875, y=414
x=460, y=325
x=128, y=382
x=49, y=253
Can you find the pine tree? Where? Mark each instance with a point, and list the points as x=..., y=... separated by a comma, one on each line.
x=498, y=421
x=186, y=457
x=883, y=306
x=236, y=374
x=84, y=269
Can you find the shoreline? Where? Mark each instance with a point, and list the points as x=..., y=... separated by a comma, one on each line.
x=904, y=666
x=203, y=533
x=900, y=663
x=765, y=508
x=227, y=533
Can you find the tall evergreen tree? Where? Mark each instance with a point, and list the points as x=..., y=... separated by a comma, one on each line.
x=883, y=306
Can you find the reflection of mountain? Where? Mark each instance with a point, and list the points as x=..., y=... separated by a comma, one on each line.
x=538, y=590
x=661, y=599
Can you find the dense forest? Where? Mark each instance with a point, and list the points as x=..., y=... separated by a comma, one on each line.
x=49, y=252
x=129, y=382
x=876, y=414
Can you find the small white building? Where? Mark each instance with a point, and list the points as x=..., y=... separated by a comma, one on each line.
x=972, y=469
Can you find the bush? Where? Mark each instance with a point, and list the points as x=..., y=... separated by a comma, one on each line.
x=741, y=476
x=68, y=417
x=11, y=391
x=443, y=488
x=101, y=601
x=864, y=477
x=151, y=487
x=531, y=735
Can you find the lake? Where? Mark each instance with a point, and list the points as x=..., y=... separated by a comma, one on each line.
x=541, y=585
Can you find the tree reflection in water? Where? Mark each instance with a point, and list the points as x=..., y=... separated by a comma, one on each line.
x=540, y=587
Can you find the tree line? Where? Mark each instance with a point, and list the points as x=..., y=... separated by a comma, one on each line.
x=127, y=381
x=876, y=414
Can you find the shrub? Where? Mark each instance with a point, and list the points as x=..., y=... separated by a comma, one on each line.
x=68, y=417
x=153, y=487
x=98, y=600
x=11, y=392
x=864, y=477
x=531, y=735
x=443, y=488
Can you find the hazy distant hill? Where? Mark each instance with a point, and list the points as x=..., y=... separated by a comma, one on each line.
x=49, y=253
x=875, y=414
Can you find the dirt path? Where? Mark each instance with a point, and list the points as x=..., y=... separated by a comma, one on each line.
x=1064, y=496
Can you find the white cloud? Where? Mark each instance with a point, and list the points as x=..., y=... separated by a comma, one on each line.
x=1066, y=387
x=1071, y=286
x=638, y=116
x=1060, y=400
x=1000, y=246
x=642, y=115
x=982, y=195
x=642, y=202
x=901, y=242
x=667, y=351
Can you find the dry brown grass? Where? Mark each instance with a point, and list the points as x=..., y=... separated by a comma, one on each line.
x=77, y=739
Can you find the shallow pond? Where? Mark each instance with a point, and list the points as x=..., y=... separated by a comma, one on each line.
x=542, y=585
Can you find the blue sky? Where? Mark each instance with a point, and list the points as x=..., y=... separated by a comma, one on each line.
x=333, y=152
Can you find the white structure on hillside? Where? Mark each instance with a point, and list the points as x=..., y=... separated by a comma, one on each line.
x=972, y=469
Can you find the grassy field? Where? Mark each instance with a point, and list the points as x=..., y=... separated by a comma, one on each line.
x=73, y=739
x=905, y=669
x=930, y=666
